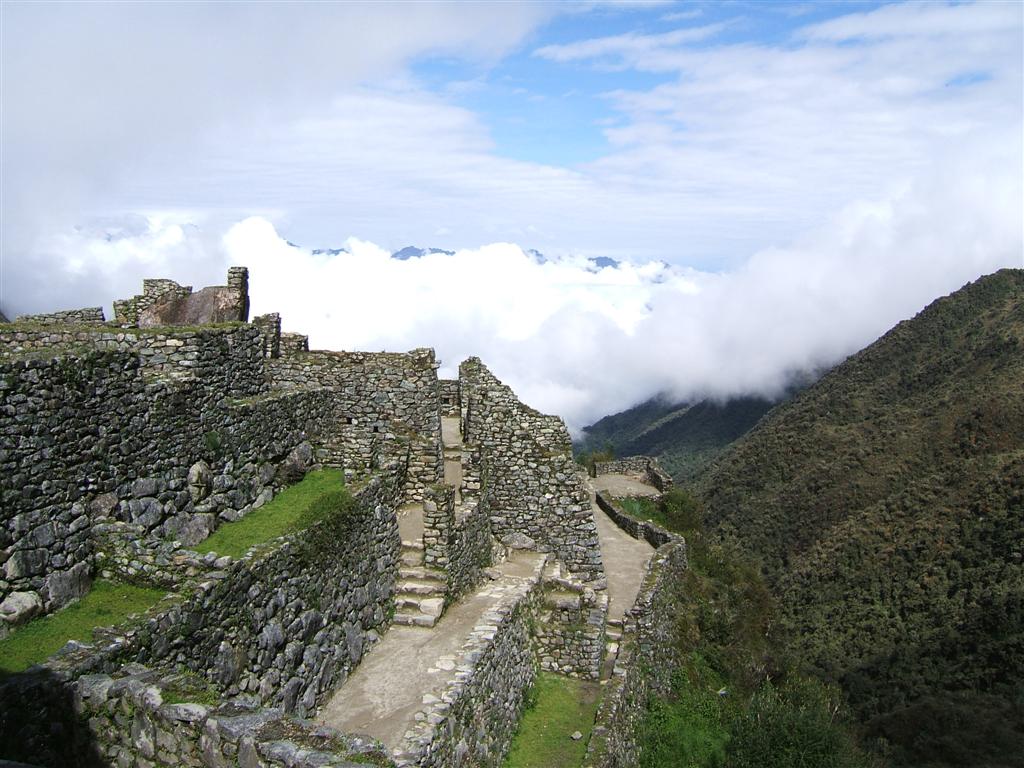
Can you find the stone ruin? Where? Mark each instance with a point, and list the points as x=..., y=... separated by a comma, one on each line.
x=125, y=443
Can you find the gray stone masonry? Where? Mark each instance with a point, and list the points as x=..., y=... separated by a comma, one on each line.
x=86, y=316
x=647, y=652
x=646, y=469
x=534, y=487
x=386, y=406
x=269, y=634
x=112, y=433
x=473, y=721
x=569, y=630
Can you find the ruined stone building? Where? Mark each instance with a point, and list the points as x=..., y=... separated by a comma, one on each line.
x=125, y=443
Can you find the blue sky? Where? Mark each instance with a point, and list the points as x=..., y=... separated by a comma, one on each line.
x=810, y=173
x=537, y=110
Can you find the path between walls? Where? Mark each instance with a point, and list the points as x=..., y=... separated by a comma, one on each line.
x=625, y=559
x=410, y=664
x=451, y=440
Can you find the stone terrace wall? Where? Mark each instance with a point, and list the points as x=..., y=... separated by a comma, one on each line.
x=385, y=402
x=534, y=486
x=282, y=626
x=97, y=435
x=85, y=316
x=646, y=660
x=644, y=468
x=128, y=720
x=650, y=532
x=475, y=718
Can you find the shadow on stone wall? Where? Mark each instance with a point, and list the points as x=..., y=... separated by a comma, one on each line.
x=39, y=724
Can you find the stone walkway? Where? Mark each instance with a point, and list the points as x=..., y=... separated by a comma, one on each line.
x=409, y=665
x=451, y=439
x=625, y=560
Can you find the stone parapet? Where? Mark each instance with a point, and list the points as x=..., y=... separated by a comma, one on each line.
x=646, y=469
x=85, y=316
x=648, y=653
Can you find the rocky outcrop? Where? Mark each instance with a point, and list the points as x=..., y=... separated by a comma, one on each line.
x=210, y=305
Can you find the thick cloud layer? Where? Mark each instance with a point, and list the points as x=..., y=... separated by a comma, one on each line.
x=584, y=342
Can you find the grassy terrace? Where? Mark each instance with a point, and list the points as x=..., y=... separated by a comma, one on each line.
x=107, y=604
x=292, y=509
x=558, y=706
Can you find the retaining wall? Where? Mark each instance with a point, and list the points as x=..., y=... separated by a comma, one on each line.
x=647, y=655
x=473, y=721
x=279, y=628
x=172, y=432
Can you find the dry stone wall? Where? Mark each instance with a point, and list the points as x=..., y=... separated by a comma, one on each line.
x=278, y=628
x=164, y=302
x=643, y=468
x=569, y=631
x=386, y=405
x=113, y=433
x=456, y=539
x=534, y=486
x=85, y=316
x=450, y=397
x=473, y=721
x=647, y=657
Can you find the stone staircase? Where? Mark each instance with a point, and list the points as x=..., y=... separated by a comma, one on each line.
x=420, y=591
x=613, y=636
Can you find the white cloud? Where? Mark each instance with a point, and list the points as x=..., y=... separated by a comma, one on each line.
x=630, y=49
x=838, y=182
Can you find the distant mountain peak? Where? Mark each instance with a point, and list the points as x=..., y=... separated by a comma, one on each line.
x=413, y=252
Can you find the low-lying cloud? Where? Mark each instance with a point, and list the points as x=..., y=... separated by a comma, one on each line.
x=583, y=342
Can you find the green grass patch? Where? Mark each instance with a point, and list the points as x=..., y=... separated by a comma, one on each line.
x=557, y=707
x=191, y=688
x=293, y=509
x=690, y=728
x=642, y=508
x=107, y=604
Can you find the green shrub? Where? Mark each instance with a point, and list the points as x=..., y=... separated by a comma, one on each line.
x=682, y=510
x=797, y=725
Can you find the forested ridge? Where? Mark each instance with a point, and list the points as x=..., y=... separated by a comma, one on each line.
x=885, y=506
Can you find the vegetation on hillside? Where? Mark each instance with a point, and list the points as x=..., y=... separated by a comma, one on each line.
x=885, y=505
x=685, y=438
x=736, y=702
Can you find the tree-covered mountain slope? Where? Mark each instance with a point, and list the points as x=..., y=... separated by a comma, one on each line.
x=886, y=504
x=685, y=438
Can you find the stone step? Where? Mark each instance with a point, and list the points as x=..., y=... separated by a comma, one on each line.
x=613, y=633
x=414, y=619
x=431, y=606
x=412, y=557
x=417, y=587
x=422, y=574
x=412, y=545
x=617, y=623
